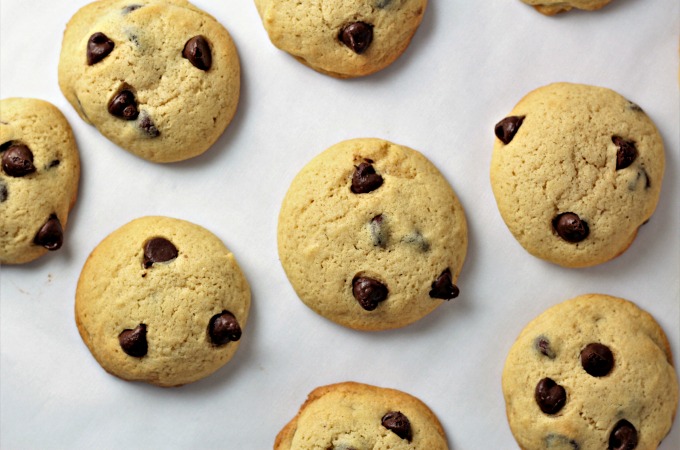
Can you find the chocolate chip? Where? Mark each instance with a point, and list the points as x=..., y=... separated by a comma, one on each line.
x=3, y=191
x=158, y=250
x=133, y=342
x=365, y=179
x=197, y=51
x=399, y=424
x=128, y=9
x=51, y=234
x=382, y=3
x=379, y=231
x=648, y=182
x=634, y=107
x=5, y=145
x=623, y=437
x=124, y=105
x=224, y=328
x=357, y=36
x=98, y=47
x=53, y=163
x=443, y=287
x=597, y=359
x=570, y=227
x=626, y=153
x=418, y=240
x=507, y=128
x=17, y=161
x=550, y=396
x=368, y=292
x=543, y=346
x=149, y=128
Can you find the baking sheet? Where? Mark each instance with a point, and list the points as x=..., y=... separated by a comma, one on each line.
x=467, y=66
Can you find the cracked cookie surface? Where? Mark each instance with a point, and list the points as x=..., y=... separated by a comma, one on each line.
x=575, y=171
x=159, y=78
x=552, y=7
x=593, y=372
x=163, y=301
x=371, y=235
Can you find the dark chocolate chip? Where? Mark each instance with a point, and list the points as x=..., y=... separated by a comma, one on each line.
x=357, y=36
x=368, y=292
x=418, y=240
x=626, y=153
x=550, y=396
x=365, y=179
x=17, y=161
x=128, y=9
x=597, y=359
x=51, y=234
x=507, y=128
x=197, y=51
x=382, y=3
x=224, y=328
x=443, y=287
x=543, y=346
x=53, y=163
x=624, y=436
x=6, y=145
x=158, y=250
x=399, y=424
x=98, y=47
x=379, y=231
x=3, y=191
x=149, y=128
x=570, y=227
x=560, y=442
x=124, y=105
x=133, y=342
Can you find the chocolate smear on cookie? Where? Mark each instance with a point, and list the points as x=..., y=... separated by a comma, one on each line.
x=543, y=346
x=3, y=191
x=148, y=127
x=379, y=231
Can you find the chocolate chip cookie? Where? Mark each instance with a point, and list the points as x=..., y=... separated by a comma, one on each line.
x=356, y=416
x=38, y=179
x=342, y=39
x=594, y=372
x=160, y=78
x=163, y=301
x=371, y=235
x=552, y=7
x=576, y=170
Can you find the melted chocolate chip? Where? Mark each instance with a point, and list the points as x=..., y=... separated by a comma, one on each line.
x=98, y=47
x=197, y=51
x=379, y=231
x=543, y=346
x=3, y=191
x=224, y=328
x=597, y=359
x=550, y=396
x=626, y=153
x=560, y=442
x=624, y=436
x=507, y=128
x=368, y=292
x=17, y=160
x=382, y=3
x=399, y=424
x=634, y=107
x=418, y=240
x=128, y=9
x=365, y=179
x=133, y=342
x=53, y=163
x=158, y=250
x=570, y=227
x=357, y=36
x=51, y=234
x=149, y=128
x=443, y=287
x=124, y=105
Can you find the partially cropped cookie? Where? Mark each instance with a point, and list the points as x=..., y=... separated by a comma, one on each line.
x=163, y=301
x=552, y=7
x=38, y=179
x=160, y=78
x=576, y=170
x=354, y=416
x=594, y=372
x=371, y=235
x=342, y=39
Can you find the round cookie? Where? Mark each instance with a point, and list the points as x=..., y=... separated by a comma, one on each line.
x=371, y=235
x=160, y=78
x=342, y=39
x=552, y=7
x=161, y=300
x=593, y=372
x=356, y=416
x=576, y=170
x=38, y=179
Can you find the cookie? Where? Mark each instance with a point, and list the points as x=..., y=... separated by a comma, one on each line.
x=159, y=78
x=38, y=179
x=552, y=7
x=356, y=416
x=342, y=39
x=371, y=235
x=163, y=301
x=576, y=170
x=593, y=372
